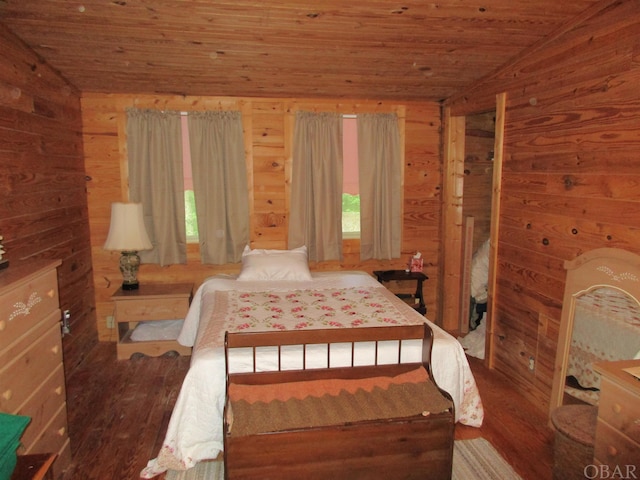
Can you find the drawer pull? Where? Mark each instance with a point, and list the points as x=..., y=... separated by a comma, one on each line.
x=25, y=308
x=58, y=391
x=7, y=394
x=55, y=350
x=51, y=293
x=612, y=451
x=617, y=408
x=3, y=325
x=61, y=431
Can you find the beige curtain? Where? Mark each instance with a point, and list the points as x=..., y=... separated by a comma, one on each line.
x=316, y=185
x=219, y=185
x=379, y=170
x=154, y=147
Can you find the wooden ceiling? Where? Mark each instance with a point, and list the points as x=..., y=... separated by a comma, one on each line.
x=374, y=49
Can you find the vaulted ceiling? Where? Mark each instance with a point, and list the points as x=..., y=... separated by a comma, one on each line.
x=373, y=49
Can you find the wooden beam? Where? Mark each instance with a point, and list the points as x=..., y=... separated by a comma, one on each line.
x=453, y=183
x=501, y=100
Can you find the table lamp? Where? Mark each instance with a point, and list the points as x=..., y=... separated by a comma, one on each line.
x=128, y=235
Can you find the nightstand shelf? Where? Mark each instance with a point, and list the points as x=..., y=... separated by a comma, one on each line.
x=150, y=303
x=413, y=297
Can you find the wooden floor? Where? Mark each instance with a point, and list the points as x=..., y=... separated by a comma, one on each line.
x=119, y=410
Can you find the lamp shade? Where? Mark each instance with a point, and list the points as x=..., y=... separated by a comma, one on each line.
x=127, y=231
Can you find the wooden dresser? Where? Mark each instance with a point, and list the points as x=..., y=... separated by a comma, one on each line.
x=31, y=369
x=617, y=442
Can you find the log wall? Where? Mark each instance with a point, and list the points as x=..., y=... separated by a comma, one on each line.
x=570, y=176
x=268, y=127
x=43, y=207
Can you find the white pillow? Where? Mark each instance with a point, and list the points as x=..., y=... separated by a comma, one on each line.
x=260, y=264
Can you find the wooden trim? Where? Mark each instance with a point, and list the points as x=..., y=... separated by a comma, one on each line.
x=465, y=281
x=453, y=182
x=501, y=100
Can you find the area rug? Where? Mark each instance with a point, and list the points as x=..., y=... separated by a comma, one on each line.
x=477, y=459
x=472, y=460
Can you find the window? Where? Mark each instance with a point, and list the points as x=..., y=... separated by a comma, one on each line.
x=350, y=190
x=317, y=146
x=155, y=141
x=190, y=218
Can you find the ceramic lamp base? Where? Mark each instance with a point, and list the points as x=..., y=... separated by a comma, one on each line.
x=129, y=264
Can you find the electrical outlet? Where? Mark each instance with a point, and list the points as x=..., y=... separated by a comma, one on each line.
x=110, y=322
x=532, y=364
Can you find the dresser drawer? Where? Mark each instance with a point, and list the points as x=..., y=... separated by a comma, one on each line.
x=24, y=374
x=620, y=408
x=53, y=437
x=152, y=309
x=43, y=405
x=21, y=344
x=612, y=448
x=26, y=304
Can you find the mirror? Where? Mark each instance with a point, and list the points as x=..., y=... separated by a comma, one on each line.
x=600, y=321
x=603, y=330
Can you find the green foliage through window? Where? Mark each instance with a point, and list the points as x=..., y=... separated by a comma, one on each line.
x=350, y=213
x=190, y=219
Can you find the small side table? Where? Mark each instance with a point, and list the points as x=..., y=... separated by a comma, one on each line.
x=34, y=467
x=384, y=276
x=150, y=303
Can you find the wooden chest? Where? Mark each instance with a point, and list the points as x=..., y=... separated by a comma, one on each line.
x=31, y=369
x=358, y=431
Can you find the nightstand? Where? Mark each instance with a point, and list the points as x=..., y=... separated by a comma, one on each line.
x=150, y=303
x=414, y=299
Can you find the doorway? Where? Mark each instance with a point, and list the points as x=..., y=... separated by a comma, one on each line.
x=459, y=242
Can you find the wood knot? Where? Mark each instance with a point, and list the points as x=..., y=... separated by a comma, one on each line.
x=569, y=182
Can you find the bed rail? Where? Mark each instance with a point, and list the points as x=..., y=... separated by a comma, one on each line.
x=306, y=339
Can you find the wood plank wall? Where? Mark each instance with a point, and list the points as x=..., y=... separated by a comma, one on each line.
x=268, y=125
x=43, y=207
x=478, y=173
x=570, y=175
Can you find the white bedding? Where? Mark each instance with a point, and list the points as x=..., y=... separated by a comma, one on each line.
x=195, y=429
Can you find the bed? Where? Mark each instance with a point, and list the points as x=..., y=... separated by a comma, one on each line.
x=261, y=300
